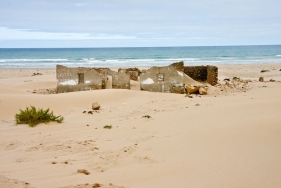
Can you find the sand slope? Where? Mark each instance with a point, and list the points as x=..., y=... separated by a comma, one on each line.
x=229, y=138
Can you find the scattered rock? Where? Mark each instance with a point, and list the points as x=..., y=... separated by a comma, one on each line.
x=203, y=90
x=265, y=70
x=83, y=171
x=261, y=79
x=189, y=96
x=95, y=106
x=90, y=112
x=54, y=162
x=84, y=112
x=96, y=185
x=146, y=116
x=271, y=80
x=280, y=70
x=197, y=104
x=226, y=79
x=35, y=74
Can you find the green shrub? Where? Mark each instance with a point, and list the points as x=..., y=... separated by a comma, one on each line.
x=107, y=126
x=32, y=116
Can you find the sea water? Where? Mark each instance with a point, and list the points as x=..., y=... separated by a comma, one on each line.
x=137, y=56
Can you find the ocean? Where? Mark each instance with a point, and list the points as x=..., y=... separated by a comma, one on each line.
x=137, y=56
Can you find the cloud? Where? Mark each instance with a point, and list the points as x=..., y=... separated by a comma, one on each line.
x=23, y=34
x=133, y=22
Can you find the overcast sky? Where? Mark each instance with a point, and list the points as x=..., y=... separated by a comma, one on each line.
x=132, y=23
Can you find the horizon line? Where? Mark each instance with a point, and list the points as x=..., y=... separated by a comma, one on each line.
x=140, y=46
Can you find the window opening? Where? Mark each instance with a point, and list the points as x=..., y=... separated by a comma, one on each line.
x=160, y=77
x=80, y=78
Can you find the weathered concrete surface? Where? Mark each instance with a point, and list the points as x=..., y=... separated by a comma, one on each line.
x=133, y=72
x=212, y=75
x=162, y=79
x=79, y=79
x=121, y=80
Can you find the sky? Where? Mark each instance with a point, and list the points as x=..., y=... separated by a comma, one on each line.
x=138, y=23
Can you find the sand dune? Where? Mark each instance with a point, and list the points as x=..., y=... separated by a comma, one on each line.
x=228, y=138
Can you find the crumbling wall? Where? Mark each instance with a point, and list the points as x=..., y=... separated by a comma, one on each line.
x=121, y=80
x=162, y=79
x=179, y=66
x=212, y=75
x=133, y=72
x=198, y=73
x=203, y=73
x=79, y=79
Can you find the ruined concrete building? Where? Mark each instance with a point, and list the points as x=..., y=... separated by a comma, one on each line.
x=168, y=79
x=80, y=79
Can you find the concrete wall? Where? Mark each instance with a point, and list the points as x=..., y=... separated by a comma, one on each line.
x=79, y=79
x=212, y=75
x=162, y=79
x=179, y=66
x=133, y=72
x=203, y=73
x=121, y=80
x=198, y=73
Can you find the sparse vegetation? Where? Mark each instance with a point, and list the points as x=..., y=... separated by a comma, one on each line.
x=107, y=126
x=33, y=116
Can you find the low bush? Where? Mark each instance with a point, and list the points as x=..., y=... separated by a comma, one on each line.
x=32, y=116
x=107, y=126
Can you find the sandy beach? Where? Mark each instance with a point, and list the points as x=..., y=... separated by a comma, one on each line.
x=229, y=138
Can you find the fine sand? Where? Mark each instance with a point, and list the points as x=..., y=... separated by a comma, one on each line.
x=229, y=138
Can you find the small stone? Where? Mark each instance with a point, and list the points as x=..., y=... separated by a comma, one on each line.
x=95, y=106
x=271, y=80
x=265, y=71
x=83, y=171
x=197, y=104
x=261, y=79
x=96, y=185
x=202, y=91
